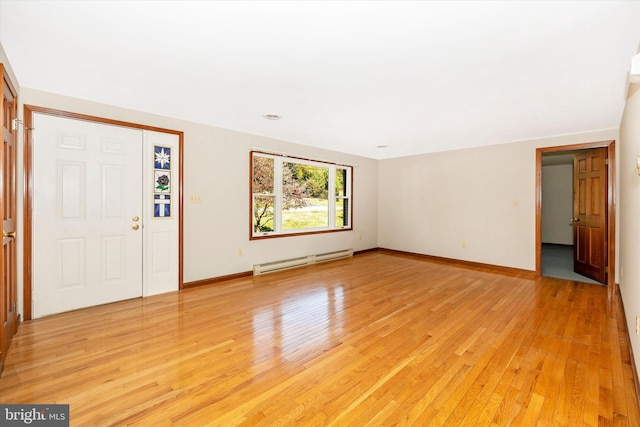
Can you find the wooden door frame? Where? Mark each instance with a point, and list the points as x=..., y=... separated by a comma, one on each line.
x=13, y=292
x=611, y=207
x=29, y=111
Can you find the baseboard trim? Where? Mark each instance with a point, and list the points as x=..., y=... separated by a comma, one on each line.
x=511, y=271
x=220, y=279
x=364, y=251
x=450, y=261
x=633, y=367
x=636, y=381
x=632, y=358
x=214, y=280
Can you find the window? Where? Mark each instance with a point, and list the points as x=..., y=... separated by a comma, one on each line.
x=293, y=196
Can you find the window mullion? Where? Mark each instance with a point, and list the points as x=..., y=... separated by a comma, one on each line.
x=332, y=196
x=349, y=197
x=278, y=204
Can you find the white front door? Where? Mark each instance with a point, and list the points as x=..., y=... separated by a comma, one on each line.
x=87, y=214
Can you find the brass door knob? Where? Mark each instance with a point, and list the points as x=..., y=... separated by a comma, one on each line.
x=135, y=219
x=135, y=226
x=9, y=234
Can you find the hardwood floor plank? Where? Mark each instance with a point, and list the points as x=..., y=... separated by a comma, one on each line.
x=377, y=339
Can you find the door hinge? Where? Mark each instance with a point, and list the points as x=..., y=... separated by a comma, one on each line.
x=15, y=307
x=606, y=162
x=15, y=123
x=606, y=269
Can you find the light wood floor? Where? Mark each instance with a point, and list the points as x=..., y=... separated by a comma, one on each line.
x=378, y=339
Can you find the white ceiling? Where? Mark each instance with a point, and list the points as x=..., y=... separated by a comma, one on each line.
x=416, y=77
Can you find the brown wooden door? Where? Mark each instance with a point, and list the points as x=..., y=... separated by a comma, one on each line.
x=590, y=214
x=8, y=309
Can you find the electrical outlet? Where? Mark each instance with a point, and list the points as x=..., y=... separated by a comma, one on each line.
x=239, y=252
x=195, y=199
x=464, y=245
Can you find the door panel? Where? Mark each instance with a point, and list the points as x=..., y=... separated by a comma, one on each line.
x=590, y=214
x=8, y=261
x=71, y=190
x=162, y=235
x=87, y=188
x=71, y=258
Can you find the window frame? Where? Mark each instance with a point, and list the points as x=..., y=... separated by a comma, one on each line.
x=332, y=196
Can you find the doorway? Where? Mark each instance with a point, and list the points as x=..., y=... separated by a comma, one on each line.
x=557, y=251
x=98, y=261
x=563, y=237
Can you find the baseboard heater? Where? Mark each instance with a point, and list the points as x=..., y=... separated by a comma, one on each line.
x=271, y=267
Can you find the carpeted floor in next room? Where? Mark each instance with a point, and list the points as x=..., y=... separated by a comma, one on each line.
x=557, y=261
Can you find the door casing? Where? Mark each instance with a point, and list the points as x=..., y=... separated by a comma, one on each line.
x=9, y=318
x=611, y=219
x=29, y=110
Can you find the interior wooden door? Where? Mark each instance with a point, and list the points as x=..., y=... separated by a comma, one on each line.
x=8, y=262
x=590, y=214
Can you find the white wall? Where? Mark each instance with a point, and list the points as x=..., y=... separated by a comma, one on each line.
x=476, y=204
x=557, y=204
x=216, y=167
x=629, y=207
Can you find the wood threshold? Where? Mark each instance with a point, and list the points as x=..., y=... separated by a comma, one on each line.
x=382, y=338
